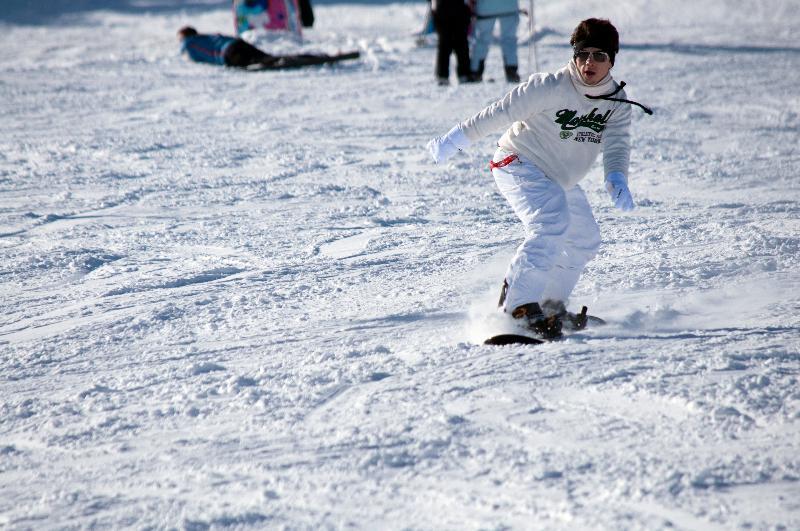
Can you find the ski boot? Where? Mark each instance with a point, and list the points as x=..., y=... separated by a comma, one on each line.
x=548, y=327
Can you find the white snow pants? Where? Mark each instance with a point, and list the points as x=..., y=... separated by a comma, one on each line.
x=484, y=28
x=561, y=234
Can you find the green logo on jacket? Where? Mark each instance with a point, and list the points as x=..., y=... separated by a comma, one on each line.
x=570, y=120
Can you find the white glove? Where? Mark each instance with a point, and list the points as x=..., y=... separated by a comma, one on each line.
x=618, y=190
x=445, y=146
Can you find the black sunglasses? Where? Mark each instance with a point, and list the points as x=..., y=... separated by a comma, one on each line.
x=597, y=57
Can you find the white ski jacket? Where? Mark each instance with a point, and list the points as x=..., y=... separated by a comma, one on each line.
x=554, y=125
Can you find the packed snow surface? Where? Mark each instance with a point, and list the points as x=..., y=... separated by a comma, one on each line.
x=234, y=300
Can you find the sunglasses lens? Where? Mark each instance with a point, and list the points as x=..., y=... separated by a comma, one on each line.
x=597, y=57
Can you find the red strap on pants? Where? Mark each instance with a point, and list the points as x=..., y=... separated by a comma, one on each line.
x=505, y=162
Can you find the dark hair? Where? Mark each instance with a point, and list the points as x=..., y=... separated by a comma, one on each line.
x=187, y=31
x=596, y=33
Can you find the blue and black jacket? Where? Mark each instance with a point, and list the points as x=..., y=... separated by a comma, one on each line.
x=206, y=48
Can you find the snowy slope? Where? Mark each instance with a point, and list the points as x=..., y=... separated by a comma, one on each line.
x=249, y=299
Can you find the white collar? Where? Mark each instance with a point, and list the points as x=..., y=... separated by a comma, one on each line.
x=606, y=85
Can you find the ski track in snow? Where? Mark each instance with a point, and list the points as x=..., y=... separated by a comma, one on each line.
x=249, y=300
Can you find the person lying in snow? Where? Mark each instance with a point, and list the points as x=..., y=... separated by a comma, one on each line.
x=557, y=125
x=231, y=51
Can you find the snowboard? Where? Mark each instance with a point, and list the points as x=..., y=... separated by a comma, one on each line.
x=320, y=60
x=514, y=339
x=521, y=339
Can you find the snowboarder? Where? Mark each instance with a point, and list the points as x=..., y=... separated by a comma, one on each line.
x=557, y=125
x=451, y=18
x=232, y=51
x=487, y=12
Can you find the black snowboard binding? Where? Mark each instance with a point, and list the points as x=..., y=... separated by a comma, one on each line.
x=548, y=327
x=545, y=321
x=578, y=320
x=573, y=321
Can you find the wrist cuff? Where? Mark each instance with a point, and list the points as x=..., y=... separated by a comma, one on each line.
x=458, y=138
x=616, y=177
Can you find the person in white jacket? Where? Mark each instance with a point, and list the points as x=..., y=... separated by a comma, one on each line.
x=557, y=126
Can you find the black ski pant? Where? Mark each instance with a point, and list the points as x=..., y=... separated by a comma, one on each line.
x=243, y=54
x=452, y=39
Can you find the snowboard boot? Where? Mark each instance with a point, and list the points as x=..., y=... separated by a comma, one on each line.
x=512, y=76
x=537, y=321
x=554, y=307
x=573, y=321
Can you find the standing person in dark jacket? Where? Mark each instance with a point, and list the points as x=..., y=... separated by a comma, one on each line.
x=451, y=19
x=231, y=51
